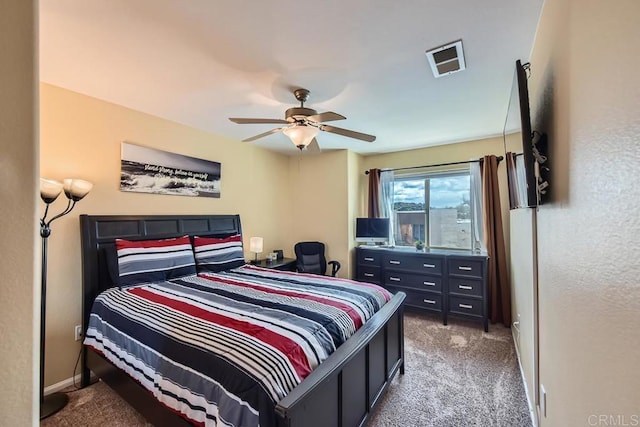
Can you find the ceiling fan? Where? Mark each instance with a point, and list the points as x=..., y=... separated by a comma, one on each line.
x=302, y=124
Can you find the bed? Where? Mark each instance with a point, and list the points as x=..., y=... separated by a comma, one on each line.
x=343, y=390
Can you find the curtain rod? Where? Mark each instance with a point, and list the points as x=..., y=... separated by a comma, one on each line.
x=499, y=158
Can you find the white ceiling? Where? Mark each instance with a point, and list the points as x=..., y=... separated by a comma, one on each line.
x=199, y=62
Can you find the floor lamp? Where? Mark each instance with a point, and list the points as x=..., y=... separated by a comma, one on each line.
x=75, y=190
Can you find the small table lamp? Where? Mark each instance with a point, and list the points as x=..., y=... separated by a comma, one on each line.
x=255, y=245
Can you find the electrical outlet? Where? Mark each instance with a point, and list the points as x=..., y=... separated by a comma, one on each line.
x=543, y=401
x=77, y=330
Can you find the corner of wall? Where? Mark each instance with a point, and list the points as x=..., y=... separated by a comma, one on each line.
x=19, y=263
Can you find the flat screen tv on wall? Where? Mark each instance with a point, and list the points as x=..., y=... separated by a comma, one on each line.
x=524, y=178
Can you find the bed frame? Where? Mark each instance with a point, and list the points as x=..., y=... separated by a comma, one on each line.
x=342, y=391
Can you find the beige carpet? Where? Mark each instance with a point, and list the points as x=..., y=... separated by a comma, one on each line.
x=455, y=375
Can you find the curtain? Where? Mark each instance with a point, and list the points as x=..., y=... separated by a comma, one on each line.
x=476, y=206
x=499, y=287
x=374, y=193
x=386, y=189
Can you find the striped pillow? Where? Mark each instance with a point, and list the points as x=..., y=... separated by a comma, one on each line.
x=217, y=254
x=146, y=261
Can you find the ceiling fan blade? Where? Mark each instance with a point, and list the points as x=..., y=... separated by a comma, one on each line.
x=328, y=116
x=348, y=133
x=313, y=145
x=262, y=135
x=257, y=121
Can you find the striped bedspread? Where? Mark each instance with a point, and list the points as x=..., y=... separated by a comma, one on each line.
x=223, y=348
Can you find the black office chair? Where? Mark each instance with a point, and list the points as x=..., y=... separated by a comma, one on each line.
x=310, y=259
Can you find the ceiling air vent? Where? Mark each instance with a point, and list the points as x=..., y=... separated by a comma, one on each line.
x=447, y=59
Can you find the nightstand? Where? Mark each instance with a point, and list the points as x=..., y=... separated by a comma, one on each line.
x=284, y=264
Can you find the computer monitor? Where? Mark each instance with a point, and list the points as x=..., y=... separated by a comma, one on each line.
x=372, y=230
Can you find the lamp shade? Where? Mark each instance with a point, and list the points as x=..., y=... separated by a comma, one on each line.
x=76, y=189
x=49, y=190
x=301, y=135
x=67, y=187
x=255, y=244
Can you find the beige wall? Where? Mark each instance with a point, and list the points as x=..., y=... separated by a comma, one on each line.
x=523, y=296
x=325, y=189
x=357, y=205
x=523, y=310
x=585, y=93
x=319, y=188
x=81, y=137
x=19, y=290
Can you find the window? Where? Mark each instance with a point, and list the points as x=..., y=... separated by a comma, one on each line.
x=446, y=223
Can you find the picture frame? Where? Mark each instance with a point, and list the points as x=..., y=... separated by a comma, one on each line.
x=148, y=170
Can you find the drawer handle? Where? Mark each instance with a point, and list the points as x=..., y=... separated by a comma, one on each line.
x=368, y=274
x=464, y=268
x=429, y=283
x=394, y=279
x=429, y=265
x=429, y=301
x=368, y=259
x=465, y=306
x=394, y=262
x=465, y=287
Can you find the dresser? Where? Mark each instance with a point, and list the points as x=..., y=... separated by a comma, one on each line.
x=447, y=282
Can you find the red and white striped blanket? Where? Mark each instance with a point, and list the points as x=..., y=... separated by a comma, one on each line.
x=223, y=348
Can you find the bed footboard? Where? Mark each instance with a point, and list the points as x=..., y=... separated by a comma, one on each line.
x=344, y=390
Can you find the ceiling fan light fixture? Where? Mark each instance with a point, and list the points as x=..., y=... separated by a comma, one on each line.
x=302, y=124
x=301, y=135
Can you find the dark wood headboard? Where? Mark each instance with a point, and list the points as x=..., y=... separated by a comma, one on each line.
x=98, y=233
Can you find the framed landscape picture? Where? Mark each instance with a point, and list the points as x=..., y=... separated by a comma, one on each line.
x=147, y=170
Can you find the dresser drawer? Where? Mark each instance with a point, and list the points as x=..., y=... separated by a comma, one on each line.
x=368, y=273
x=466, y=267
x=420, y=282
x=467, y=306
x=370, y=257
x=425, y=300
x=458, y=285
x=415, y=263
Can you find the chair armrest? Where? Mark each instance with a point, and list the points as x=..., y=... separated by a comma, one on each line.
x=335, y=266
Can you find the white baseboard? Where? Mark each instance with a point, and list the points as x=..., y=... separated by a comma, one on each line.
x=65, y=383
x=532, y=413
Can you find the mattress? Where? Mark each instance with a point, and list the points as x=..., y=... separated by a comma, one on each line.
x=224, y=348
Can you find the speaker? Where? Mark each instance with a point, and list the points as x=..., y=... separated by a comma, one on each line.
x=279, y=253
